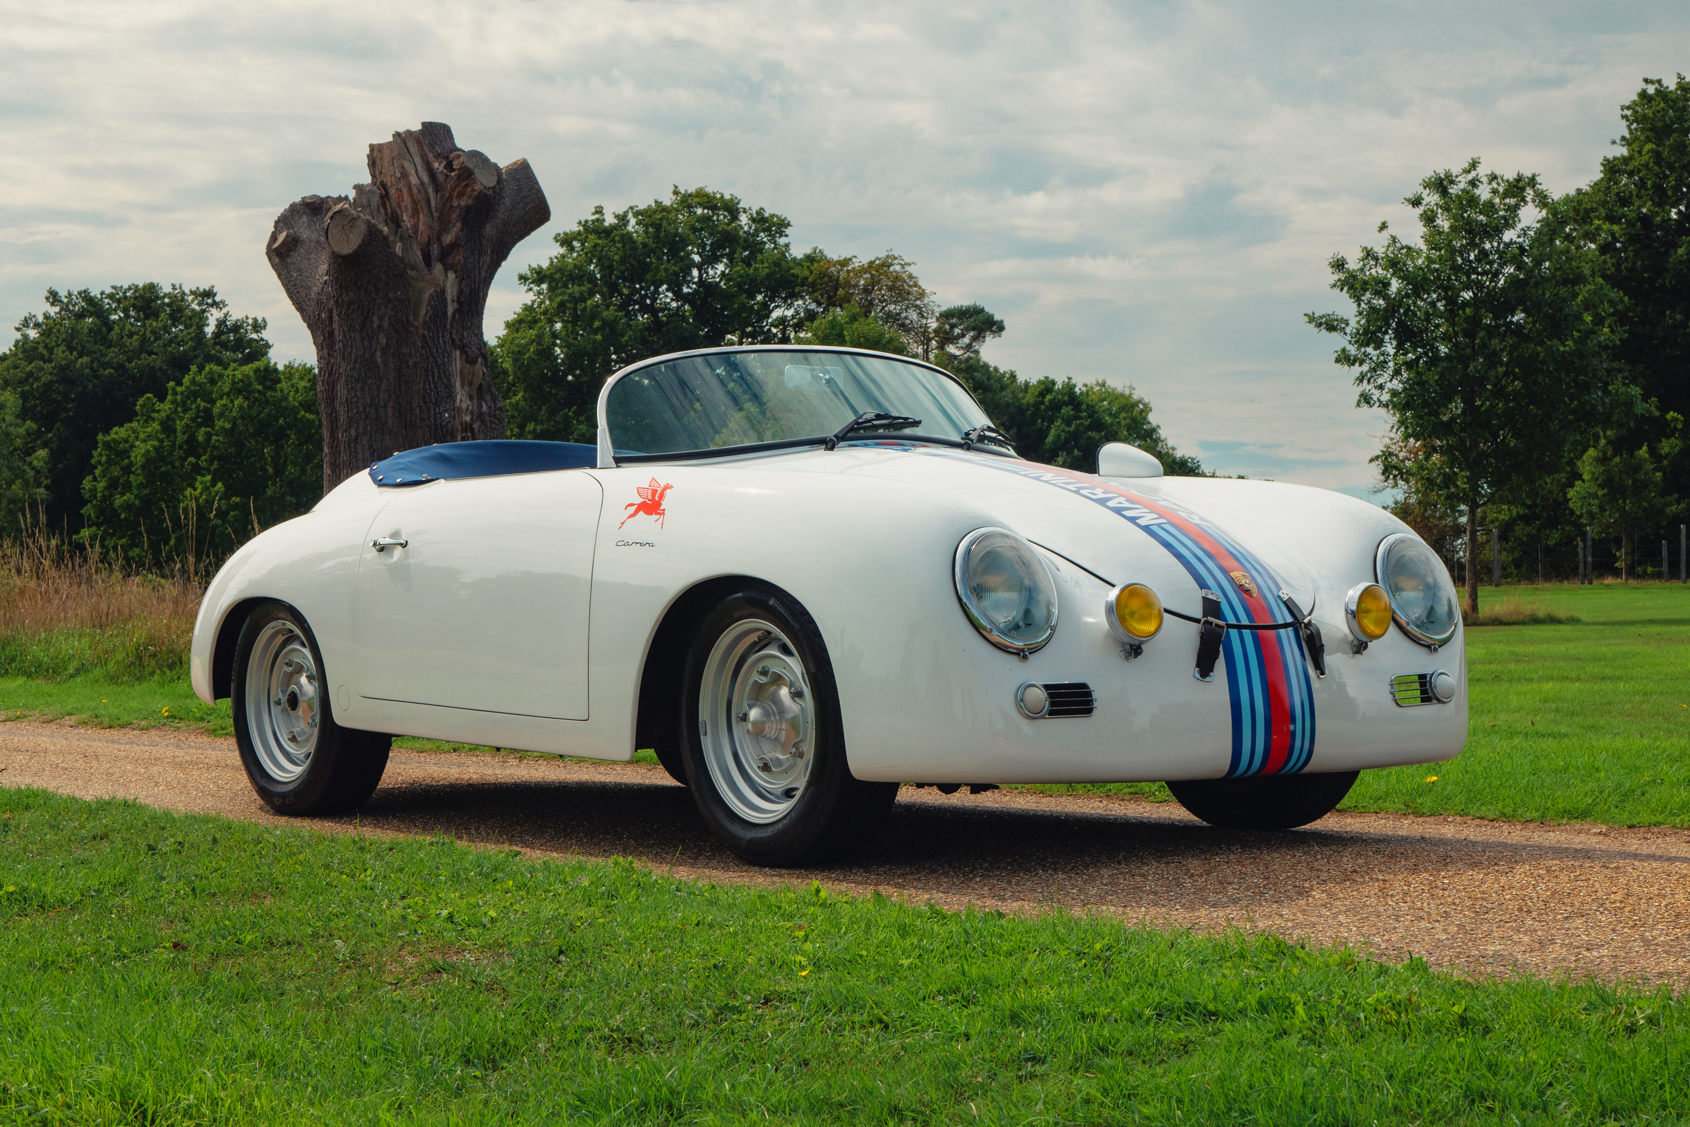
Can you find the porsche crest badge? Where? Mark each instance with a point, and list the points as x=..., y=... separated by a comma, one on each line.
x=1245, y=584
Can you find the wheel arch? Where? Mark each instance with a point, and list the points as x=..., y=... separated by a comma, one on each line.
x=228, y=639
x=665, y=658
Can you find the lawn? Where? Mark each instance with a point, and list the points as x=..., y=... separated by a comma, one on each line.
x=165, y=968
x=1585, y=722
x=1588, y=721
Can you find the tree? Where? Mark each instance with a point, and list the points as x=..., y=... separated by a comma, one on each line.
x=226, y=452
x=697, y=270
x=1636, y=216
x=393, y=285
x=852, y=328
x=884, y=288
x=78, y=369
x=1481, y=341
x=1062, y=423
x=962, y=330
x=23, y=468
x=1620, y=491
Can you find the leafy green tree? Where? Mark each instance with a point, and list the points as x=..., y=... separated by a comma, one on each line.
x=1480, y=340
x=23, y=469
x=962, y=330
x=1636, y=215
x=694, y=271
x=79, y=369
x=884, y=288
x=1062, y=423
x=1620, y=492
x=226, y=452
x=852, y=328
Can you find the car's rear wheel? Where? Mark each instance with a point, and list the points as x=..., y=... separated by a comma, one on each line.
x=297, y=758
x=1264, y=802
x=762, y=741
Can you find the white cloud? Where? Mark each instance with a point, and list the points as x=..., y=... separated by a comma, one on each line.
x=1145, y=191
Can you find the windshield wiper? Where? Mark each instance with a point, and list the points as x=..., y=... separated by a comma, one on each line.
x=985, y=433
x=871, y=420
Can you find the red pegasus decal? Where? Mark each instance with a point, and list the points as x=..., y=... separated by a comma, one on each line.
x=650, y=503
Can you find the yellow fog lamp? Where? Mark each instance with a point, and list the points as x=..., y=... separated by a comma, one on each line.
x=1367, y=609
x=1133, y=612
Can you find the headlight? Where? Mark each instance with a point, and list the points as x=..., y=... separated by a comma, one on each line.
x=1422, y=597
x=1133, y=612
x=1005, y=590
x=1368, y=611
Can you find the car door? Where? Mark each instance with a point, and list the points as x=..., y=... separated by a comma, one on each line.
x=483, y=602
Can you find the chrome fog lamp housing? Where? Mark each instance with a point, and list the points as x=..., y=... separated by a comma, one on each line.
x=1367, y=612
x=1005, y=590
x=1423, y=601
x=1133, y=613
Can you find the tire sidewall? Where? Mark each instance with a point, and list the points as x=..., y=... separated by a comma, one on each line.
x=305, y=793
x=796, y=833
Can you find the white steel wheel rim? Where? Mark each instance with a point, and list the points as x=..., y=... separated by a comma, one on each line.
x=281, y=701
x=756, y=721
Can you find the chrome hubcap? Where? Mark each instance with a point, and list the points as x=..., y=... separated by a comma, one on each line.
x=756, y=721
x=281, y=701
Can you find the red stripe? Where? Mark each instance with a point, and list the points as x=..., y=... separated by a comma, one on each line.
x=1273, y=657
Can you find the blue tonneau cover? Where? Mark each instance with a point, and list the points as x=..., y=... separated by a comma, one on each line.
x=493, y=458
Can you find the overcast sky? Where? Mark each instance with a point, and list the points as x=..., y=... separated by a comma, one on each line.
x=1145, y=192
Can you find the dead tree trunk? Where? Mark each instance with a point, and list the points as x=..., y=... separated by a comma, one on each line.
x=393, y=283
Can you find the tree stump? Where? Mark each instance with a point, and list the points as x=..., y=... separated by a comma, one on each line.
x=393, y=284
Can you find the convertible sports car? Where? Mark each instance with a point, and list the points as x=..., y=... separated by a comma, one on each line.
x=805, y=575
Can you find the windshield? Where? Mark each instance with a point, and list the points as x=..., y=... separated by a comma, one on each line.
x=727, y=399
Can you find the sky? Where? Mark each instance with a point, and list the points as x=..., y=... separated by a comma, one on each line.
x=1146, y=192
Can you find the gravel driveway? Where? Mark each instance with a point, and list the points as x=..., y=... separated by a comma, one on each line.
x=1461, y=892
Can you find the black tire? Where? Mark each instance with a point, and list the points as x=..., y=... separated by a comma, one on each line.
x=756, y=643
x=1264, y=802
x=326, y=769
x=669, y=756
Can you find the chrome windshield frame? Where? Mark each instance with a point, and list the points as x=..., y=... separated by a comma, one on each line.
x=607, y=459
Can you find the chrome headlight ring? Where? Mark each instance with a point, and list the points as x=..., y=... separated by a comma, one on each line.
x=1417, y=623
x=1005, y=590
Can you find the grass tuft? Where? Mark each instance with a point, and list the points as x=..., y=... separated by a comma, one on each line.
x=67, y=612
x=1515, y=611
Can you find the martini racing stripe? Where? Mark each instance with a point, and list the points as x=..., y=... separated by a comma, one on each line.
x=1268, y=683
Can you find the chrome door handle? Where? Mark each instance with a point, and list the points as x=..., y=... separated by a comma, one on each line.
x=383, y=543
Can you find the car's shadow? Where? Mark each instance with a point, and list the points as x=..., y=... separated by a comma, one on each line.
x=1140, y=858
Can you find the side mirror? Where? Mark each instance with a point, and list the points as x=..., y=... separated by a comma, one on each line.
x=1117, y=459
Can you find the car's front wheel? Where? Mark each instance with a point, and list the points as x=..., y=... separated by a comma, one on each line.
x=1264, y=802
x=762, y=739
x=298, y=759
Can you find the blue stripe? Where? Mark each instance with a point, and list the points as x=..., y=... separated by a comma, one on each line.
x=1245, y=656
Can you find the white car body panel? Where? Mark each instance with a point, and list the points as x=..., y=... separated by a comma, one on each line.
x=485, y=606
x=478, y=637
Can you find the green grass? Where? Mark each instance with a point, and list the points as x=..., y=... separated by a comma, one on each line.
x=1587, y=722
x=105, y=703
x=164, y=969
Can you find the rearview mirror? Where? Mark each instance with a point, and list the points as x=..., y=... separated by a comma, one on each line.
x=1117, y=459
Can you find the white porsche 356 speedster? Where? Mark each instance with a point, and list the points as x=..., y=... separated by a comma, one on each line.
x=805, y=575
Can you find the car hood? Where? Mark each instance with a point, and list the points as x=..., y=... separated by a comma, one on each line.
x=1313, y=543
